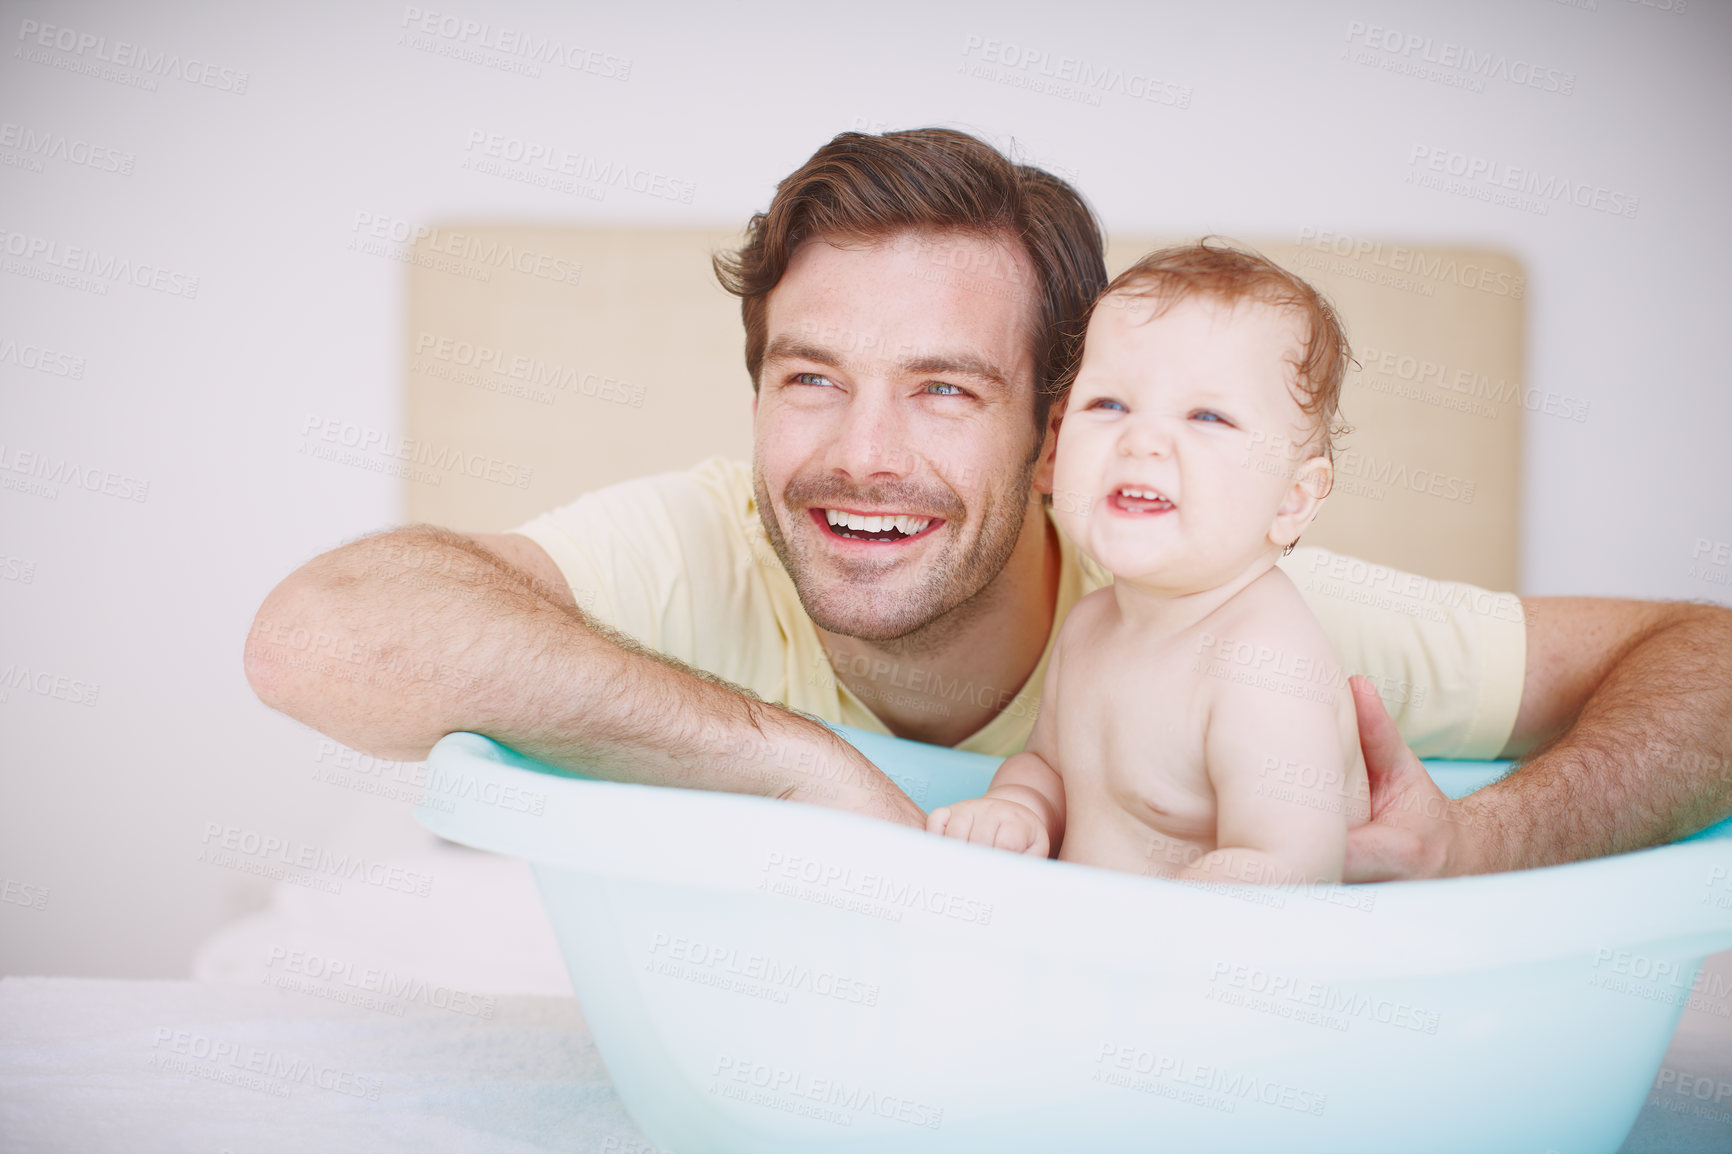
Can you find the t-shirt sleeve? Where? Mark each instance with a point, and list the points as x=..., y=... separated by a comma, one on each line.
x=630, y=552
x=1448, y=658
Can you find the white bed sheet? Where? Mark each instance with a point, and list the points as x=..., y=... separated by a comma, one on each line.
x=133, y=1067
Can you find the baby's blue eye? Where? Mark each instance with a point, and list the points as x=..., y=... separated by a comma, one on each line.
x=1099, y=402
x=1209, y=415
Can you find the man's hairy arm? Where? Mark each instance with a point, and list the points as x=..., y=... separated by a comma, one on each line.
x=391, y=642
x=1625, y=728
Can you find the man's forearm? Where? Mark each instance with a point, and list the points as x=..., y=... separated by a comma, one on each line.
x=392, y=642
x=1648, y=759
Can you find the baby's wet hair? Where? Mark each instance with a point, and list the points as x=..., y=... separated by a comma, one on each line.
x=1220, y=271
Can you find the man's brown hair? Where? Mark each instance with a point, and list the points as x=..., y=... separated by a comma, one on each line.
x=861, y=187
x=1216, y=270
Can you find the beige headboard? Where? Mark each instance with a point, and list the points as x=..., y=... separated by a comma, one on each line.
x=554, y=360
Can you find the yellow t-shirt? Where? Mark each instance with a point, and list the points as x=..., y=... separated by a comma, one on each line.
x=680, y=562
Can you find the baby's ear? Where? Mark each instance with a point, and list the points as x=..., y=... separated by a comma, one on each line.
x=1312, y=481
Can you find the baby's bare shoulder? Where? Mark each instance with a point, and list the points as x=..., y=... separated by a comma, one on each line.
x=1085, y=619
x=1271, y=618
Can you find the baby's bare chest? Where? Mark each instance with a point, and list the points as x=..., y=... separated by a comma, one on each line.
x=1131, y=720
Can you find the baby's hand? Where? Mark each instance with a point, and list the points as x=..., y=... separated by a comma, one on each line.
x=992, y=821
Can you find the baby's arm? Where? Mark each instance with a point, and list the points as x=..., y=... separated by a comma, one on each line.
x=1280, y=776
x=1023, y=810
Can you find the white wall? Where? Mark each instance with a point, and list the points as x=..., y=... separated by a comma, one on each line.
x=106, y=805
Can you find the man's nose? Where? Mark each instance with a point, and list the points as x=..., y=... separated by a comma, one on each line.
x=872, y=441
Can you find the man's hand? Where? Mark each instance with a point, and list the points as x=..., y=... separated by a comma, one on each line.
x=992, y=821
x=1414, y=831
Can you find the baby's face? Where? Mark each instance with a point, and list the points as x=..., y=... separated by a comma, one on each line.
x=1176, y=468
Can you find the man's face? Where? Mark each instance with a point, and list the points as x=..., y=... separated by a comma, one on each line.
x=897, y=382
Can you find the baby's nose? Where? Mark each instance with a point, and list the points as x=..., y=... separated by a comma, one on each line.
x=1145, y=436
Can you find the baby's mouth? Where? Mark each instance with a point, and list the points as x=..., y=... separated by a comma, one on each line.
x=1135, y=499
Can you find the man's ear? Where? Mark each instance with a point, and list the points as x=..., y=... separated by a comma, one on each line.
x=1312, y=481
x=1043, y=476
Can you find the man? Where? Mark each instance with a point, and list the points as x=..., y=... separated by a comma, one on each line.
x=910, y=303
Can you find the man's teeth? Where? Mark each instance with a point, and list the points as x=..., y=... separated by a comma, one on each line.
x=908, y=525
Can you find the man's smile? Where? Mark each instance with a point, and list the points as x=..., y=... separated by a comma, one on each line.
x=884, y=527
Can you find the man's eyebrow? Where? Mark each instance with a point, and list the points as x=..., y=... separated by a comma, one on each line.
x=957, y=364
x=785, y=346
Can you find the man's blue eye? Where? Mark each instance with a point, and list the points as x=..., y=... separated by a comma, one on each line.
x=955, y=390
x=810, y=378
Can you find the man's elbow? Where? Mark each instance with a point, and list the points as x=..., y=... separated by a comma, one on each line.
x=278, y=645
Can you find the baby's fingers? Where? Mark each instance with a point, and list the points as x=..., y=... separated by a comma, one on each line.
x=1011, y=835
x=961, y=824
x=1021, y=837
x=937, y=820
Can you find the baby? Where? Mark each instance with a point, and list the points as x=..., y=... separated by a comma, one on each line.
x=1187, y=726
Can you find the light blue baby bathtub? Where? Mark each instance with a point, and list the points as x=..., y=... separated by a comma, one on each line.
x=768, y=978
